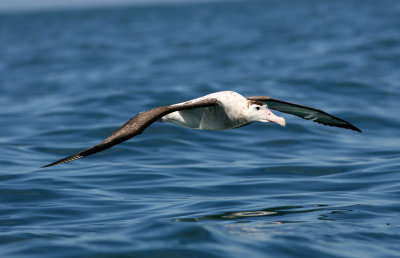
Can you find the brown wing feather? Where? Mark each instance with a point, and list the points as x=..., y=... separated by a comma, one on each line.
x=135, y=126
x=308, y=113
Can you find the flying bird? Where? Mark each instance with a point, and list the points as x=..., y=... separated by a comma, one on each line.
x=217, y=111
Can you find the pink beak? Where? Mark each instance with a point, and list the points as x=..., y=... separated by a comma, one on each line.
x=271, y=117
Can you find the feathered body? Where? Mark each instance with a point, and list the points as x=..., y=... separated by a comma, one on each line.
x=229, y=114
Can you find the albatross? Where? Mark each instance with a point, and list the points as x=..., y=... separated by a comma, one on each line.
x=217, y=111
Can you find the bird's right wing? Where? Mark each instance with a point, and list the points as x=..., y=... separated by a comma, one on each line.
x=135, y=126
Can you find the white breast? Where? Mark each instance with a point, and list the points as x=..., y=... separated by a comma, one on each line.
x=229, y=115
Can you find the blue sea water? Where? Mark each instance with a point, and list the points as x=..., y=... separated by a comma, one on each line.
x=69, y=78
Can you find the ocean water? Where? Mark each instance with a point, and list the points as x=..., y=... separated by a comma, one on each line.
x=68, y=78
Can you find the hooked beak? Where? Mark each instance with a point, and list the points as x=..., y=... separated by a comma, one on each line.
x=271, y=117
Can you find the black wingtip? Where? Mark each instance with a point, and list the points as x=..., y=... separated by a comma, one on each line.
x=64, y=160
x=352, y=127
x=357, y=129
x=345, y=126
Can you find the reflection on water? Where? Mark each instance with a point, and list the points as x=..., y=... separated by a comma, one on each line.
x=323, y=210
x=262, y=225
x=249, y=214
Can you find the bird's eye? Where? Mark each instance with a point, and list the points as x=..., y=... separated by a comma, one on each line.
x=258, y=108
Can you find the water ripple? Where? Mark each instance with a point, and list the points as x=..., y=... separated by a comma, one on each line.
x=70, y=78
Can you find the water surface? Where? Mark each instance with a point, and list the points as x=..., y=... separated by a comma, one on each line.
x=69, y=78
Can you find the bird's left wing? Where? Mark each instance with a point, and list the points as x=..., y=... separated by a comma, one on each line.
x=304, y=112
x=135, y=126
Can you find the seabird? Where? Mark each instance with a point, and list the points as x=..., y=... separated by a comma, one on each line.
x=216, y=111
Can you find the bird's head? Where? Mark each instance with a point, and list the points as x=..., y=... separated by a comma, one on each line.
x=258, y=112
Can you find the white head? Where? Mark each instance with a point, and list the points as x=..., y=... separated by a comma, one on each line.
x=258, y=112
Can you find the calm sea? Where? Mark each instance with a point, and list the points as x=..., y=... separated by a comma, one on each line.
x=69, y=78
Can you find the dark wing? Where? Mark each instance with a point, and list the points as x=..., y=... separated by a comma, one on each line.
x=308, y=113
x=135, y=126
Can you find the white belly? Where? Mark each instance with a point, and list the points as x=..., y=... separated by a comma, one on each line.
x=210, y=118
x=228, y=115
